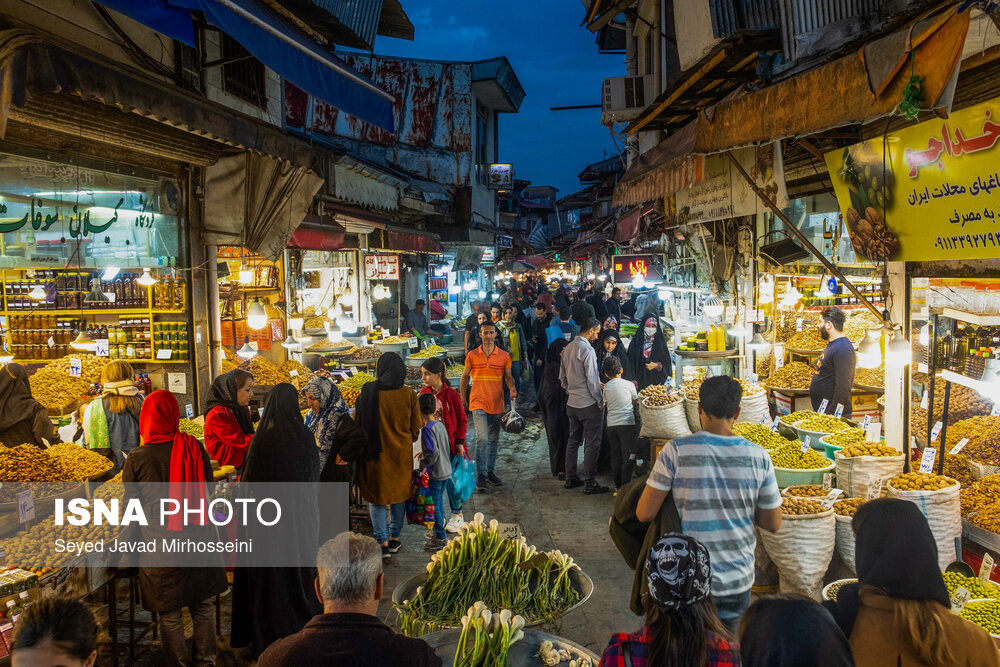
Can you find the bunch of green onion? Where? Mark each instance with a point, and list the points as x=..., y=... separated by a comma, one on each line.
x=486, y=637
x=481, y=565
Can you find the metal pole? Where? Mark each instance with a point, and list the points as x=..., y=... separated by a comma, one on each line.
x=804, y=241
x=932, y=369
x=944, y=427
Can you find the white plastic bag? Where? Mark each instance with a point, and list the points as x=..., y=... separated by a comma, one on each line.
x=943, y=511
x=856, y=473
x=845, y=541
x=667, y=421
x=802, y=550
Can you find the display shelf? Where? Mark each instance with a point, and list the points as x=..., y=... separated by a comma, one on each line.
x=131, y=361
x=94, y=311
x=971, y=318
x=985, y=388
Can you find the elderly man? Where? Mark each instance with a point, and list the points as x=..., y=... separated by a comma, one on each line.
x=348, y=633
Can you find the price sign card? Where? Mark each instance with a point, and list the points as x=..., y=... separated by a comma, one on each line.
x=25, y=506
x=753, y=378
x=827, y=481
x=838, y=413
x=774, y=424
x=798, y=324
x=936, y=431
x=164, y=354
x=805, y=445
x=927, y=460
x=875, y=488
x=831, y=498
x=959, y=599
x=294, y=373
x=986, y=568
x=509, y=531
x=189, y=411
x=412, y=343
x=958, y=446
x=996, y=410
x=822, y=406
x=101, y=347
x=75, y=368
x=925, y=400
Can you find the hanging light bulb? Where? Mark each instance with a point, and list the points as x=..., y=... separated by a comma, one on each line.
x=482, y=294
x=291, y=344
x=639, y=281
x=897, y=351
x=347, y=296
x=591, y=276
x=335, y=335
x=663, y=293
x=110, y=273
x=758, y=344
x=38, y=293
x=348, y=325
x=824, y=289
x=602, y=277
x=870, y=351
x=96, y=295
x=146, y=279
x=470, y=285
x=739, y=330
x=455, y=289
x=713, y=306
x=256, y=316
x=246, y=352
x=295, y=319
x=925, y=334
x=83, y=342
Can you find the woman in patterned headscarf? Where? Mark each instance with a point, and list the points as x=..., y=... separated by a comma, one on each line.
x=682, y=627
x=340, y=440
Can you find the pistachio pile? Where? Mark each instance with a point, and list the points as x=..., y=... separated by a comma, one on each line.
x=870, y=377
x=263, y=371
x=55, y=389
x=795, y=375
x=807, y=339
x=81, y=463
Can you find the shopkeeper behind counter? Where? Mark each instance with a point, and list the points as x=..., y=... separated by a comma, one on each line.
x=836, y=365
x=228, y=424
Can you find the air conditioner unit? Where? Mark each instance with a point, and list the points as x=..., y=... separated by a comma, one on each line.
x=624, y=98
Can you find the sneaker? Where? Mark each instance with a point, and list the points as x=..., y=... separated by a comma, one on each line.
x=561, y=476
x=494, y=480
x=386, y=553
x=573, y=482
x=395, y=545
x=434, y=544
x=591, y=487
x=455, y=523
x=481, y=484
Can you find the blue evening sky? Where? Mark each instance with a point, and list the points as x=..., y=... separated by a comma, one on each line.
x=556, y=61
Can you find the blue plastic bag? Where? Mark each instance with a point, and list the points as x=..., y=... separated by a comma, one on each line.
x=462, y=484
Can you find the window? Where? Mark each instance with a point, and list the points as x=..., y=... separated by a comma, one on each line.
x=482, y=160
x=244, y=77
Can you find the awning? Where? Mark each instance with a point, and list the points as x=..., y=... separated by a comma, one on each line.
x=628, y=227
x=868, y=84
x=468, y=258
x=274, y=41
x=315, y=237
x=663, y=170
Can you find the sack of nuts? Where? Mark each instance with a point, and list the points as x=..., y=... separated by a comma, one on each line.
x=855, y=473
x=803, y=547
x=938, y=498
x=663, y=421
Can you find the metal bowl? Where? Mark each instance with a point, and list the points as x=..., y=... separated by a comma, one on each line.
x=522, y=654
x=579, y=579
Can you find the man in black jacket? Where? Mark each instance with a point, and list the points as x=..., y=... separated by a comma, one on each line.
x=539, y=343
x=348, y=633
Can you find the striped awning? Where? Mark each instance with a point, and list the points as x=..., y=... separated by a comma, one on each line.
x=671, y=166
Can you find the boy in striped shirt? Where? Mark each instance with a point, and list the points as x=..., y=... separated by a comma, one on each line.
x=723, y=485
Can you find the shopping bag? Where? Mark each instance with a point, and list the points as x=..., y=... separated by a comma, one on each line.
x=463, y=480
x=525, y=372
x=420, y=506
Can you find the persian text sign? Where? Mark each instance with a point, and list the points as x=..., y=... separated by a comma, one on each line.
x=934, y=195
x=724, y=193
x=381, y=267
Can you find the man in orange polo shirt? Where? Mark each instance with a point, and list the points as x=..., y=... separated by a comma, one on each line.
x=489, y=368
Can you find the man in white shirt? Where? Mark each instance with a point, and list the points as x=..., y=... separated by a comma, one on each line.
x=620, y=397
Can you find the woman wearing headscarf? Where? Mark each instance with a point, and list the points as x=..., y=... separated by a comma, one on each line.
x=23, y=420
x=166, y=455
x=274, y=602
x=682, y=627
x=339, y=439
x=899, y=613
x=609, y=344
x=781, y=631
x=390, y=417
x=648, y=357
x=610, y=322
x=552, y=400
x=111, y=424
x=228, y=424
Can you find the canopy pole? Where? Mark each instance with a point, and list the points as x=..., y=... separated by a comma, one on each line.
x=804, y=241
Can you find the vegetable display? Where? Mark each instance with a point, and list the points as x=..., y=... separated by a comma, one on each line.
x=979, y=590
x=985, y=614
x=486, y=637
x=481, y=565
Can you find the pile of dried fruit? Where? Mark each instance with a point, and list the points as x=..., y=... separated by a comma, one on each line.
x=192, y=428
x=858, y=324
x=751, y=389
x=983, y=434
x=362, y=354
x=350, y=394
x=764, y=365
x=800, y=506
x=921, y=481
x=792, y=457
x=228, y=366
x=315, y=323
x=980, y=494
x=81, y=463
x=29, y=464
x=964, y=403
x=806, y=491
x=870, y=377
x=957, y=466
x=263, y=371
x=823, y=424
x=807, y=339
x=789, y=325
x=55, y=389
x=848, y=506
x=869, y=449
x=761, y=435
x=845, y=438
x=795, y=375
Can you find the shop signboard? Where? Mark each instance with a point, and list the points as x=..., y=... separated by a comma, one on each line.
x=504, y=241
x=381, y=267
x=627, y=267
x=724, y=193
x=501, y=176
x=927, y=192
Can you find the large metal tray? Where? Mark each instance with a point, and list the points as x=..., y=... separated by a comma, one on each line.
x=522, y=654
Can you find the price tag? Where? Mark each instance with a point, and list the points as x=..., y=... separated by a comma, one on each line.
x=831, y=498
x=509, y=531
x=925, y=401
x=873, y=433
x=75, y=368
x=868, y=420
x=827, y=481
x=385, y=334
x=927, y=460
x=986, y=568
x=763, y=420
x=822, y=406
x=101, y=348
x=936, y=431
x=798, y=324
x=294, y=373
x=51, y=342
x=260, y=412
x=189, y=411
x=774, y=424
x=25, y=506
x=412, y=343
x=875, y=488
x=958, y=447
x=779, y=359
x=753, y=378
x=164, y=354
x=352, y=371
x=996, y=410
x=805, y=445
x=839, y=411
x=959, y=599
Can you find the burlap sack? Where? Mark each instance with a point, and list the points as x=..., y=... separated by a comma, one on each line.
x=845, y=541
x=802, y=550
x=855, y=474
x=943, y=511
x=667, y=421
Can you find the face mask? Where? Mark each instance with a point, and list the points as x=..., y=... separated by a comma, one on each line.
x=650, y=331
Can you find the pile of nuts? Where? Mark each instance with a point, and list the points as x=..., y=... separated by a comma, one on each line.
x=984, y=439
x=792, y=457
x=848, y=506
x=761, y=435
x=263, y=371
x=655, y=390
x=55, y=389
x=362, y=354
x=823, y=424
x=661, y=400
x=921, y=481
x=227, y=366
x=315, y=323
x=834, y=587
x=845, y=438
x=764, y=365
x=800, y=506
x=795, y=375
x=751, y=389
x=987, y=518
x=980, y=494
x=807, y=339
x=806, y=491
x=858, y=325
x=350, y=394
x=985, y=614
x=869, y=234
x=957, y=466
x=81, y=463
x=691, y=390
x=789, y=325
x=870, y=377
x=869, y=449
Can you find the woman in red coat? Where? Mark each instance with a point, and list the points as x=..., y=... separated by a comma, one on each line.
x=228, y=426
x=452, y=415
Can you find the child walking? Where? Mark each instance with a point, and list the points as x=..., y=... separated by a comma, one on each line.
x=436, y=459
x=620, y=398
